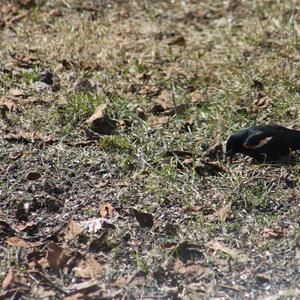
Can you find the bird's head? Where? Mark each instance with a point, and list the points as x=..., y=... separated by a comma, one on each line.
x=235, y=144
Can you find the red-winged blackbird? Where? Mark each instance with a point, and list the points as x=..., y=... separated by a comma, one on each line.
x=264, y=142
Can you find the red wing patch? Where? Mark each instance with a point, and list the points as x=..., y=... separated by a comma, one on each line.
x=259, y=144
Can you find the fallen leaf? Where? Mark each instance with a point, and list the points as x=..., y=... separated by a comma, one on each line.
x=162, y=102
x=33, y=175
x=93, y=225
x=73, y=230
x=16, y=155
x=262, y=102
x=186, y=251
x=155, y=121
x=144, y=219
x=177, y=40
x=28, y=227
x=27, y=137
x=20, y=243
x=216, y=166
x=169, y=245
x=56, y=256
x=106, y=210
x=191, y=270
x=262, y=278
x=9, y=279
x=196, y=97
x=217, y=246
x=11, y=14
x=224, y=212
x=89, y=267
x=100, y=122
x=18, y=137
x=24, y=60
x=7, y=105
x=16, y=92
x=275, y=233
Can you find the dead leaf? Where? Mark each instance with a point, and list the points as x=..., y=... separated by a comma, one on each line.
x=56, y=256
x=262, y=278
x=275, y=233
x=93, y=225
x=146, y=90
x=100, y=122
x=24, y=60
x=89, y=268
x=190, y=270
x=162, y=102
x=11, y=14
x=16, y=92
x=262, y=102
x=164, y=106
x=20, y=243
x=216, y=166
x=106, y=210
x=155, y=121
x=73, y=230
x=144, y=219
x=177, y=40
x=169, y=245
x=28, y=227
x=27, y=137
x=186, y=251
x=33, y=175
x=7, y=105
x=217, y=246
x=224, y=212
x=18, y=137
x=196, y=97
x=9, y=279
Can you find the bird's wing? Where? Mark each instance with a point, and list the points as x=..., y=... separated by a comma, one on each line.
x=257, y=140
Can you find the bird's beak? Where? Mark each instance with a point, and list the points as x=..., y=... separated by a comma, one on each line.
x=229, y=156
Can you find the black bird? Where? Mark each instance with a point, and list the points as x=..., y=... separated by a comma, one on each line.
x=264, y=142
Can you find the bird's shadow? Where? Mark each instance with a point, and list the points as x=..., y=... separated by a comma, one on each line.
x=290, y=160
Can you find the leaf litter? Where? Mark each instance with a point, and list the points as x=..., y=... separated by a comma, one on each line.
x=157, y=212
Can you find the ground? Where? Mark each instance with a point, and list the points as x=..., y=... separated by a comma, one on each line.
x=114, y=117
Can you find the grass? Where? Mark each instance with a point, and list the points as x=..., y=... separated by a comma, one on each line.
x=234, y=55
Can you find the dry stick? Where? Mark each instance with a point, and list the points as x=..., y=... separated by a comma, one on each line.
x=173, y=96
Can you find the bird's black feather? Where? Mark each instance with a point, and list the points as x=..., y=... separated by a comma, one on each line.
x=270, y=142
